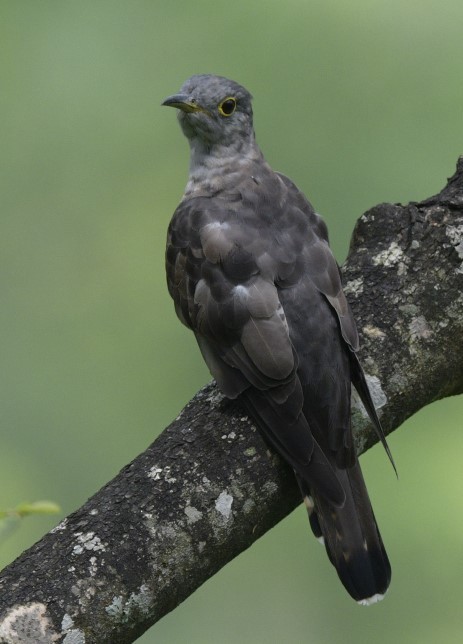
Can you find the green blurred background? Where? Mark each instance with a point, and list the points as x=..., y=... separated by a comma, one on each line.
x=359, y=102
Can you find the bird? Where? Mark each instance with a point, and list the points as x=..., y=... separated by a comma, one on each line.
x=251, y=273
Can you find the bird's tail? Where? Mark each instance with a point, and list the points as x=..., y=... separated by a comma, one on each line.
x=351, y=537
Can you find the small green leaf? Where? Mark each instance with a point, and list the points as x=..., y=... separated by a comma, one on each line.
x=25, y=509
x=10, y=519
x=37, y=507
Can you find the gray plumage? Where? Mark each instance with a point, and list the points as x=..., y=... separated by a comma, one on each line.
x=251, y=273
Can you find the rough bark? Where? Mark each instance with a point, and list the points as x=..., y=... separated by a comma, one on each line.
x=206, y=489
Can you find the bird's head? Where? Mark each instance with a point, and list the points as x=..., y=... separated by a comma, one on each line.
x=214, y=111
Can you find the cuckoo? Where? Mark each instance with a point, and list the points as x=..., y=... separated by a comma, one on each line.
x=251, y=272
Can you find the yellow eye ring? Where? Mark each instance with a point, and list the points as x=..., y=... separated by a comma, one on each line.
x=227, y=106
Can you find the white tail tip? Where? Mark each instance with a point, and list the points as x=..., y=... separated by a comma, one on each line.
x=368, y=601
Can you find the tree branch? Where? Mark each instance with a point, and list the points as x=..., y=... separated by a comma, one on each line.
x=206, y=489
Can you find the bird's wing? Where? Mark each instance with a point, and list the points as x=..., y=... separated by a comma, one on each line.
x=223, y=288
x=322, y=267
x=325, y=275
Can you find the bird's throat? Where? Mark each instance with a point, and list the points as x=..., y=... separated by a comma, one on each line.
x=214, y=168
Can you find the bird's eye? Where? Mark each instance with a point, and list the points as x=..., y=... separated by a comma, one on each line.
x=227, y=106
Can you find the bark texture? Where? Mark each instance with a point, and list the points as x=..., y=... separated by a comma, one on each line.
x=206, y=489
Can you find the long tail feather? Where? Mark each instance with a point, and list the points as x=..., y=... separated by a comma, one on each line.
x=351, y=538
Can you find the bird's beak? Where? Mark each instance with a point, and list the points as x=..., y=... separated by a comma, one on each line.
x=184, y=103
